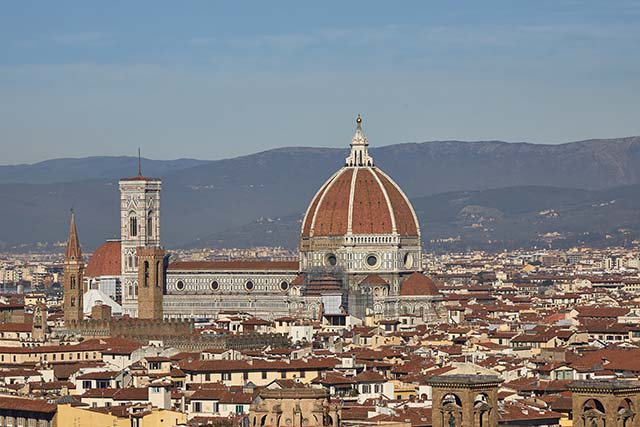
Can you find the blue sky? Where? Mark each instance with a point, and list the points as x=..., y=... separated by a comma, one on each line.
x=209, y=79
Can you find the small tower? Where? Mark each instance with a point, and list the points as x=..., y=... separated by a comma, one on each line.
x=295, y=407
x=605, y=403
x=465, y=400
x=151, y=281
x=139, y=228
x=73, y=277
x=39, y=328
x=359, y=148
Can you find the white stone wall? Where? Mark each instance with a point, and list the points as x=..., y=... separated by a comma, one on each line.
x=203, y=282
x=393, y=255
x=193, y=293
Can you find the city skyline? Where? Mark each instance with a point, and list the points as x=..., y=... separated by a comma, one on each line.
x=323, y=225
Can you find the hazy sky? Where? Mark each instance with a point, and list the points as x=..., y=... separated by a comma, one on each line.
x=212, y=79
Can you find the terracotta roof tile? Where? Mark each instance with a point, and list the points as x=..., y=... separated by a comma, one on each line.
x=16, y=327
x=105, y=261
x=332, y=214
x=376, y=202
x=20, y=404
x=236, y=265
x=417, y=284
x=373, y=279
x=371, y=213
x=406, y=222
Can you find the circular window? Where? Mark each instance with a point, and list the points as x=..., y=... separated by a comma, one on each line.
x=214, y=285
x=284, y=286
x=408, y=260
x=372, y=260
x=331, y=260
x=249, y=285
x=180, y=285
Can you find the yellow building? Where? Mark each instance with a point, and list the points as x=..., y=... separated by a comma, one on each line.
x=119, y=416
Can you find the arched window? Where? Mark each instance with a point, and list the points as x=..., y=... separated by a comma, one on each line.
x=133, y=226
x=146, y=274
x=158, y=271
x=150, y=224
x=73, y=302
x=593, y=413
x=73, y=282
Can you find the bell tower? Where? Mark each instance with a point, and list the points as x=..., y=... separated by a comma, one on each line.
x=139, y=228
x=39, y=328
x=73, y=277
x=151, y=281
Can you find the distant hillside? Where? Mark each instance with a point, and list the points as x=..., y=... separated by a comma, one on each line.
x=204, y=198
x=526, y=217
x=68, y=170
x=507, y=218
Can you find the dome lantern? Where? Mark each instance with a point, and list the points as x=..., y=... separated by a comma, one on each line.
x=359, y=148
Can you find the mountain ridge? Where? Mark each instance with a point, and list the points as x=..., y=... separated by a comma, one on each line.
x=488, y=219
x=201, y=198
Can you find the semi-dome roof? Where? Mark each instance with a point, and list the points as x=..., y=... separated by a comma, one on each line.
x=417, y=284
x=360, y=199
x=105, y=261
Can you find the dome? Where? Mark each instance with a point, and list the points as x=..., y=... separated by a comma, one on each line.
x=417, y=284
x=105, y=261
x=360, y=199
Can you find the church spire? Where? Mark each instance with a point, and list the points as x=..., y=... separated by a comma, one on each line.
x=73, y=251
x=359, y=148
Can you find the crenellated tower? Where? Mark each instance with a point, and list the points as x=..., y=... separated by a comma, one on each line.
x=139, y=228
x=151, y=282
x=73, y=277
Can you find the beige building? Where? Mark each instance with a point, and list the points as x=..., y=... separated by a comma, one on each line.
x=141, y=416
x=295, y=407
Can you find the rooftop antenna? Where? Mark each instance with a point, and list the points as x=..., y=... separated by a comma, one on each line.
x=139, y=163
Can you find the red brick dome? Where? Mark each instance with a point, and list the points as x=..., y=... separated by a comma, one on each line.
x=417, y=284
x=105, y=261
x=360, y=200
